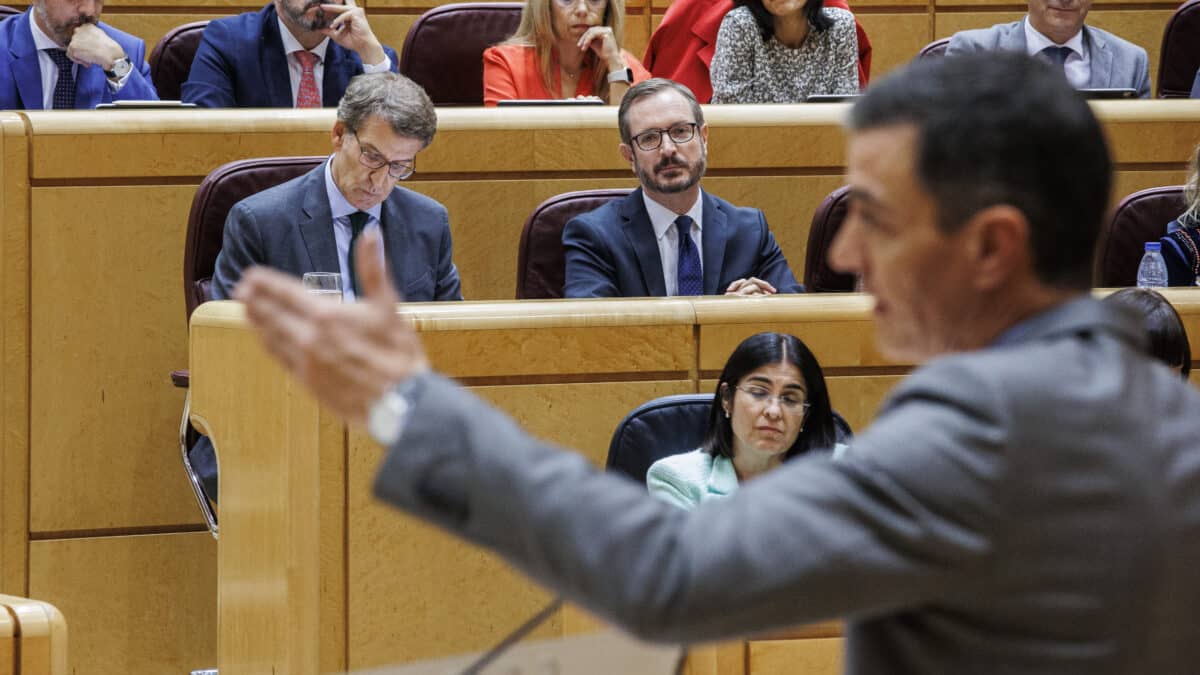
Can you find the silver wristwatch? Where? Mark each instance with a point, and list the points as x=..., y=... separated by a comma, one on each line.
x=120, y=68
x=623, y=75
x=388, y=415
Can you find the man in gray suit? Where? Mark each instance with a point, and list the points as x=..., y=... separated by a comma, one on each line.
x=310, y=224
x=1055, y=30
x=1027, y=501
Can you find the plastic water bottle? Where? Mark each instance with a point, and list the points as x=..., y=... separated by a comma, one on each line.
x=1152, y=273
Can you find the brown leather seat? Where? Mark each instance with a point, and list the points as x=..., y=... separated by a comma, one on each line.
x=1139, y=218
x=934, y=49
x=819, y=277
x=171, y=60
x=1180, y=55
x=443, y=51
x=541, y=268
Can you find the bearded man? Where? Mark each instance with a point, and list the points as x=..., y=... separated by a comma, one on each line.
x=669, y=237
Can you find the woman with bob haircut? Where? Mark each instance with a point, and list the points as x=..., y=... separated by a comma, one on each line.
x=783, y=51
x=1167, y=338
x=563, y=49
x=770, y=406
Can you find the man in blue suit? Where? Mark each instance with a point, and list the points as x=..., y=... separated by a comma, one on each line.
x=58, y=55
x=291, y=54
x=1054, y=30
x=670, y=237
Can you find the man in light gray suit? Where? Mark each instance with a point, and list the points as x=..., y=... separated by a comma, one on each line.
x=1055, y=30
x=310, y=224
x=1027, y=501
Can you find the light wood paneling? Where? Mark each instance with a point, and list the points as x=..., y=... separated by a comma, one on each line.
x=822, y=656
x=33, y=637
x=895, y=38
x=136, y=604
x=87, y=276
x=14, y=350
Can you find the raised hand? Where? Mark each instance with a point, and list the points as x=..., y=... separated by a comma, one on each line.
x=91, y=46
x=350, y=29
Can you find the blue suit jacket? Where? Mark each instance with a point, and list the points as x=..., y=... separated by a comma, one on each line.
x=241, y=64
x=1115, y=63
x=612, y=251
x=1196, y=85
x=21, y=76
x=269, y=229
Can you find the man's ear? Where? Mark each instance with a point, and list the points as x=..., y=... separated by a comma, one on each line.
x=626, y=152
x=338, y=135
x=999, y=245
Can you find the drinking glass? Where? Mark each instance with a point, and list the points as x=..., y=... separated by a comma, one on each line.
x=324, y=284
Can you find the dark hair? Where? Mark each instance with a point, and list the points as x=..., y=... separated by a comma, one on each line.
x=1003, y=128
x=814, y=12
x=1168, y=341
x=647, y=88
x=756, y=351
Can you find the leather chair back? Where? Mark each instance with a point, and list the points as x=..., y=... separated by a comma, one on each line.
x=6, y=12
x=819, y=277
x=225, y=186
x=934, y=49
x=541, y=266
x=1180, y=55
x=443, y=51
x=171, y=60
x=668, y=426
x=1139, y=218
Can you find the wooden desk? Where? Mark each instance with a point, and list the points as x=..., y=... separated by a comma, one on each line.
x=33, y=638
x=93, y=207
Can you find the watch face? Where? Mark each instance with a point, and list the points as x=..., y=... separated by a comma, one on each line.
x=122, y=67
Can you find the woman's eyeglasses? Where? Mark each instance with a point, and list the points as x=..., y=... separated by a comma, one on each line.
x=793, y=403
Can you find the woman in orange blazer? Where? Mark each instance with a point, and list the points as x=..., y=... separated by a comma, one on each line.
x=563, y=49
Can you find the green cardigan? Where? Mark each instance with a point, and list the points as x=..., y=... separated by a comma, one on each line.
x=690, y=478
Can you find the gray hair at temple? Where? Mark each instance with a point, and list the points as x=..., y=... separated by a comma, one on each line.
x=399, y=101
x=648, y=88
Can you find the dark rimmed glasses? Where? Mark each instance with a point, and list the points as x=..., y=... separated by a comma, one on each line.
x=374, y=161
x=651, y=139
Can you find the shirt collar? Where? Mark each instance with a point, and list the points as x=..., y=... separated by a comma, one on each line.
x=291, y=44
x=1035, y=42
x=338, y=206
x=663, y=219
x=40, y=39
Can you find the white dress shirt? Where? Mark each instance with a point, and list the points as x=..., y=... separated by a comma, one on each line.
x=1078, y=66
x=49, y=69
x=341, y=210
x=663, y=221
x=291, y=45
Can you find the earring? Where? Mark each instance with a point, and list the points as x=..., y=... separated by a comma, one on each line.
x=726, y=414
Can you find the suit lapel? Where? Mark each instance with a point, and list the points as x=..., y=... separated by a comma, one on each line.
x=1014, y=41
x=1101, y=58
x=335, y=79
x=635, y=223
x=395, y=238
x=25, y=69
x=316, y=223
x=714, y=237
x=274, y=63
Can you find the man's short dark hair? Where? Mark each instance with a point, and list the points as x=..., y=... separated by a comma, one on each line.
x=648, y=88
x=1002, y=128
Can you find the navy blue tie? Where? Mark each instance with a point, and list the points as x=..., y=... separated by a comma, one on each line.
x=1057, y=55
x=64, y=88
x=691, y=281
x=358, y=221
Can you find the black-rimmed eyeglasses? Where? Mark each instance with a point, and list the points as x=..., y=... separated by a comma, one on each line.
x=651, y=139
x=374, y=161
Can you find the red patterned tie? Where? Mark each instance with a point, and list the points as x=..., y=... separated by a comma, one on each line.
x=309, y=95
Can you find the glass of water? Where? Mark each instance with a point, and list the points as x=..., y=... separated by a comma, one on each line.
x=325, y=284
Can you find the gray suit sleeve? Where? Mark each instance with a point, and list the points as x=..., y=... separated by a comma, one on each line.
x=241, y=247
x=902, y=520
x=1142, y=74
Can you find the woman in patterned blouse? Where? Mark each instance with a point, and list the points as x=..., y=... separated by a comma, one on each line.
x=782, y=51
x=1181, y=246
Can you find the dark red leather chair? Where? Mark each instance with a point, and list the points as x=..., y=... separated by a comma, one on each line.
x=443, y=51
x=934, y=49
x=8, y=11
x=1180, y=55
x=221, y=189
x=819, y=277
x=171, y=60
x=1139, y=218
x=541, y=266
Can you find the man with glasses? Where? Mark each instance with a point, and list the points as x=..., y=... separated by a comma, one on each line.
x=670, y=237
x=310, y=224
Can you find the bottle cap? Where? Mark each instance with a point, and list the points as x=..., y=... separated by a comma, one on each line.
x=1153, y=246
